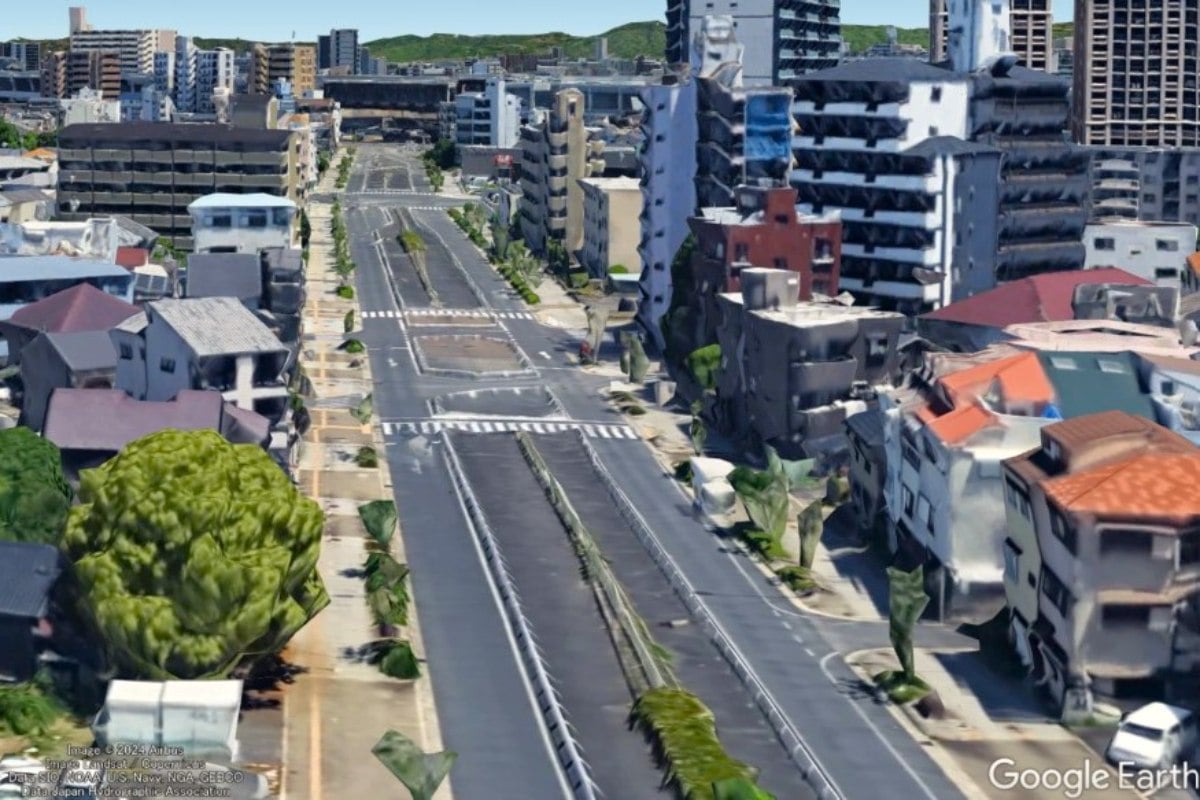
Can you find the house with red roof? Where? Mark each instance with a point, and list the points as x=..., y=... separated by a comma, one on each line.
x=80, y=308
x=1102, y=559
x=978, y=322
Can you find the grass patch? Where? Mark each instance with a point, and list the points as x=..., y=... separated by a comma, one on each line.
x=354, y=346
x=760, y=542
x=684, y=734
x=344, y=292
x=634, y=411
x=798, y=579
x=899, y=690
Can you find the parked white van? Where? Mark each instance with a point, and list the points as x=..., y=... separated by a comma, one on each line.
x=1156, y=736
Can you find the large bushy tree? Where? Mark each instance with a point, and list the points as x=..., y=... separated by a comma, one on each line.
x=34, y=496
x=192, y=555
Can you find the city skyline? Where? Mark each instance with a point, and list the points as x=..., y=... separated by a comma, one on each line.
x=263, y=22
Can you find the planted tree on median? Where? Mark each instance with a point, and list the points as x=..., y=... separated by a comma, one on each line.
x=193, y=555
x=420, y=772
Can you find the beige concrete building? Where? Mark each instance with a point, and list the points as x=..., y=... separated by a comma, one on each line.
x=612, y=208
x=1032, y=37
x=556, y=152
x=136, y=48
x=54, y=74
x=295, y=63
x=1135, y=73
x=1102, y=558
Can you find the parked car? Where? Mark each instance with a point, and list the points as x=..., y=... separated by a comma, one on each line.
x=1155, y=736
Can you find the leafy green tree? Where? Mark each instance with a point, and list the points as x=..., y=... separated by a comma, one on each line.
x=811, y=524
x=421, y=773
x=765, y=496
x=34, y=496
x=739, y=789
x=703, y=363
x=192, y=555
x=379, y=518
x=906, y=603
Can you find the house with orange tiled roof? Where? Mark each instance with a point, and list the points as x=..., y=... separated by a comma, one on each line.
x=1102, y=559
x=943, y=444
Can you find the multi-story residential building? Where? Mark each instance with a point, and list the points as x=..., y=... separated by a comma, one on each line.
x=215, y=74
x=1102, y=560
x=861, y=125
x=164, y=71
x=792, y=372
x=555, y=153
x=294, y=63
x=87, y=107
x=491, y=117
x=448, y=120
x=27, y=53
x=1146, y=183
x=324, y=52
x=185, y=74
x=135, y=48
x=1064, y=58
x=153, y=172
x=1032, y=37
x=242, y=223
x=945, y=438
x=764, y=228
x=667, y=167
x=1154, y=251
x=54, y=74
x=343, y=49
x=93, y=69
x=77, y=16
x=744, y=132
x=1133, y=71
x=142, y=101
x=203, y=343
x=864, y=434
x=612, y=208
x=784, y=39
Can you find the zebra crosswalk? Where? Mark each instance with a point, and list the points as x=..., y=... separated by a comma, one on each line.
x=474, y=313
x=429, y=427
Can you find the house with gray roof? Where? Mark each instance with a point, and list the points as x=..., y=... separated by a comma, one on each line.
x=81, y=360
x=28, y=573
x=203, y=343
x=71, y=413
x=237, y=275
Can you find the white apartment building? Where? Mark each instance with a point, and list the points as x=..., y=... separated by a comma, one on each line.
x=136, y=48
x=491, y=117
x=242, y=223
x=147, y=104
x=185, y=74
x=612, y=209
x=215, y=73
x=164, y=72
x=667, y=167
x=89, y=106
x=1156, y=251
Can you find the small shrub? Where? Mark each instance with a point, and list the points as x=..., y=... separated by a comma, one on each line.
x=366, y=457
x=900, y=690
x=345, y=292
x=25, y=710
x=578, y=280
x=399, y=661
x=348, y=322
x=635, y=411
x=683, y=471
x=798, y=579
x=618, y=269
x=354, y=346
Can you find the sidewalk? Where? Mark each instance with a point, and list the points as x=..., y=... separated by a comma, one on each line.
x=336, y=711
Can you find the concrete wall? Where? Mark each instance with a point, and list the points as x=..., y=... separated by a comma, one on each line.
x=1156, y=252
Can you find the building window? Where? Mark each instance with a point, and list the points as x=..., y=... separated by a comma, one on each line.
x=221, y=221
x=1120, y=616
x=908, y=501
x=935, y=94
x=877, y=349
x=1018, y=498
x=781, y=263
x=741, y=251
x=1062, y=530
x=1012, y=561
x=1104, y=243
x=925, y=512
x=1056, y=592
x=1120, y=540
x=126, y=352
x=167, y=365
x=933, y=131
x=1166, y=245
x=1112, y=367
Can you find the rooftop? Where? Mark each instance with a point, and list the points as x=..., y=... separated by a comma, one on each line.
x=27, y=572
x=1039, y=298
x=1089, y=383
x=19, y=269
x=1099, y=336
x=82, y=307
x=254, y=200
x=214, y=326
x=71, y=414
x=868, y=426
x=612, y=184
x=890, y=70
x=226, y=136
x=84, y=351
x=814, y=314
x=1156, y=485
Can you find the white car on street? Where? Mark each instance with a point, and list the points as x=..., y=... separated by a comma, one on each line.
x=1155, y=736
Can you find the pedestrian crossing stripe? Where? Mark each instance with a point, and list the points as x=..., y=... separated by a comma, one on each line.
x=429, y=427
x=474, y=313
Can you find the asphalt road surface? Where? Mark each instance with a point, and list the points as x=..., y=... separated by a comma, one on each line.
x=484, y=708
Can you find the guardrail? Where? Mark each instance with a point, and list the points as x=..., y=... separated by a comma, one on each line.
x=798, y=750
x=597, y=568
x=569, y=757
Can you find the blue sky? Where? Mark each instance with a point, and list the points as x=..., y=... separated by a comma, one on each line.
x=276, y=19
